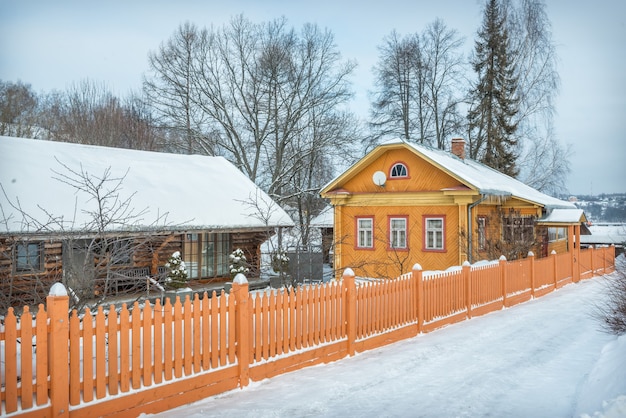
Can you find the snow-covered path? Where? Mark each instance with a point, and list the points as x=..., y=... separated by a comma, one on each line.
x=531, y=360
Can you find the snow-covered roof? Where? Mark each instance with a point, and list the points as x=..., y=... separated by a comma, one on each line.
x=480, y=177
x=487, y=180
x=564, y=216
x=187, y=192
x=325, y=219
x=605, y=233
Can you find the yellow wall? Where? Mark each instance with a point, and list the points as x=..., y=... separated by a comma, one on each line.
x=422, y=176
x=428, y=190
x=382, y=261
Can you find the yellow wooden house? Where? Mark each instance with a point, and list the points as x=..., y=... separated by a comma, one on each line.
x=404, y=203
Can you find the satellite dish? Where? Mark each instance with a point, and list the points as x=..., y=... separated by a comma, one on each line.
x=379, y=178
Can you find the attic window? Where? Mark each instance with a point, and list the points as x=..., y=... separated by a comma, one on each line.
x=399, y=170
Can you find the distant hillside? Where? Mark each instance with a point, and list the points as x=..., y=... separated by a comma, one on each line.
x=603, y=208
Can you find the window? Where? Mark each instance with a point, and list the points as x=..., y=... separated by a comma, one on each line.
x=121, y=252
x=365, y=232
x=557, y=234
x=434, y=233
x=399, y=170
x=28, y=256
x=482, y=232
x=206, y=255
x=397, y=232
x=518, y=228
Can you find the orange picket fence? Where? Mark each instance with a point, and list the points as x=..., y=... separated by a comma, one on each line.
x=153, y=357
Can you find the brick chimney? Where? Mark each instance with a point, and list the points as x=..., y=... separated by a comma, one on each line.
x=458, y=147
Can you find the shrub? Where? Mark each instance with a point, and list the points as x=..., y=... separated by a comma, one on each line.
x=613, y=311
x=238, y=263
x=177, y=274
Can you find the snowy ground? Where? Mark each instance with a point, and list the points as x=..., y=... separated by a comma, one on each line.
x=544, y=358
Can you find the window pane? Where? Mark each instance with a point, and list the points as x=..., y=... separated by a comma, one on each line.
x=224, y=248
x=365, y=233
x=398, y=233
x=398, y=170
x=208, y=256
x=121, y=252
x=191, y=254
x=434, y=234
x=27, y=257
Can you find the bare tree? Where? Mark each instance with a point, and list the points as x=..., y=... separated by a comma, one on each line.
x=18, y=109
x=274, y=98
x=418, y=80
x=88, y=113
x=444, y=73
x=396, y=106
x=170, y=92
x=96, y=254
x=141, y=131
x=262, y=86
x=545, y=161
x=612, y=313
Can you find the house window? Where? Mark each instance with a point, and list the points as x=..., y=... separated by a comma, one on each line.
x=482, y=232
x=397, y=232
x=365, y=232
x=121, y=252
x=557, y=234
x=399, y=170
x=28, y=256
x=518, y=228
x=434, y=233
x=206, y=255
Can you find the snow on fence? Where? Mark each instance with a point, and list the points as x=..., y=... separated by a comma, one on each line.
x=151, y=358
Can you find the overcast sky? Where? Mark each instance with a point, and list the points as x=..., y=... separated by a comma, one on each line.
x=52, y=44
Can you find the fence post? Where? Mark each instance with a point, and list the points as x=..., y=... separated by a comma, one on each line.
x=242, y=327
x=466, y=271
x=57, y=304
x=555, y=269
x=503, y=274
x=591, y=257
x=531, y=256
x=419, y=283
x=575, y=260
x=350, y=294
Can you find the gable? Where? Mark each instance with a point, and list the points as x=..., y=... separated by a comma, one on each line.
x=421, y=175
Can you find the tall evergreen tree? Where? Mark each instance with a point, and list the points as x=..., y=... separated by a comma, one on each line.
x=493, y=99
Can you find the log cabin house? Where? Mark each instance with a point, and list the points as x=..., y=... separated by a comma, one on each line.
x=404, y=203
x=104, y=221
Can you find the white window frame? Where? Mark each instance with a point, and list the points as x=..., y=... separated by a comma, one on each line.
x=404, y=171
x=365, y=233
x=398, y=232
x=432, y=232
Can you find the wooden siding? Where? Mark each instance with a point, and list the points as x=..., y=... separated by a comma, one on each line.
x=29, y=287
x=422, y=176
x=150, y=254
x=382, y=261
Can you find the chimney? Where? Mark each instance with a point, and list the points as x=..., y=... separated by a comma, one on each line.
x=458, y=147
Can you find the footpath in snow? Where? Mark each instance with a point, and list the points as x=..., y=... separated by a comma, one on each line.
x=544, y=358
